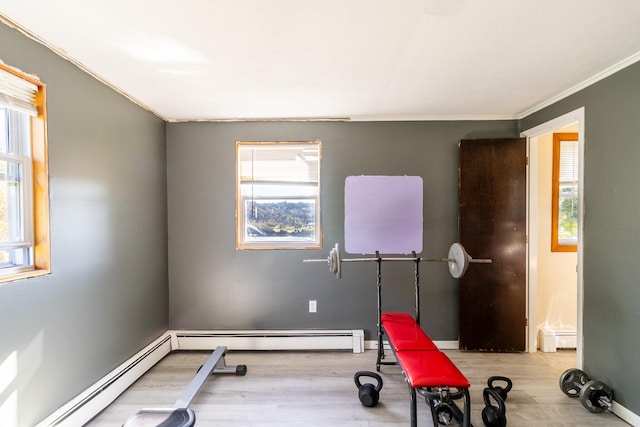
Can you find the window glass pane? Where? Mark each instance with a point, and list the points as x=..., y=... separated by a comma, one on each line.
x=568, y=214
x=290, y=220
x=278, y=192
x=568, y=161
x=11, y=258
x=11, y=229
x=19, y=142
x=4, y=130
x=568, y=193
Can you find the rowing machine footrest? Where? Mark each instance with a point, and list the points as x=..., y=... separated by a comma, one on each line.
x=241, y=370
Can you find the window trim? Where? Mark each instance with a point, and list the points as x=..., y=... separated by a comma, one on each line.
x=556, y=246
x=241, y=243
x=40, y=185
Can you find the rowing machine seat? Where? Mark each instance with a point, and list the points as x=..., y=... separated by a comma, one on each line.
x=162, y=417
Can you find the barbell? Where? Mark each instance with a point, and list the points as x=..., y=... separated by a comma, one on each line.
x=595, y=396
x=458, y=260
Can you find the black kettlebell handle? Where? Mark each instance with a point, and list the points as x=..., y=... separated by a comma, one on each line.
x=370, y=374
x=495, y=378
x=489, y=392
x=503, y=391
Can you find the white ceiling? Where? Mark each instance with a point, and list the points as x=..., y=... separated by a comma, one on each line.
x=352, y=59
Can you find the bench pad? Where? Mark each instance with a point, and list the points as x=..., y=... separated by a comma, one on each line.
x=405, y=334
x=430, y=369
x=397, y=317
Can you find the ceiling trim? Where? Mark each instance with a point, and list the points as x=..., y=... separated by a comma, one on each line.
x=588, y=82
x=264, y=119
x=431, y=118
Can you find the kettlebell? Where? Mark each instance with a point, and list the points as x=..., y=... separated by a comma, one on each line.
x=502, y=391
x=368, y=393
x=493, y=416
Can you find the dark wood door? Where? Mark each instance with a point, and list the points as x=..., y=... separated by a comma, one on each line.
x=492, y=224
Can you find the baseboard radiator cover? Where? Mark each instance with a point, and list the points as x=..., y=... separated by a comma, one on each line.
x=92, y=401
x=304, y=339
x=550, y=339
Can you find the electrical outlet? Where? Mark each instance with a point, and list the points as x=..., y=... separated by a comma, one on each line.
x=313, y=306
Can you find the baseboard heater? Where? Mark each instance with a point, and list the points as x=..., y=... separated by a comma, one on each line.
x=346, y=339
x=549, y=340
x=96, y=398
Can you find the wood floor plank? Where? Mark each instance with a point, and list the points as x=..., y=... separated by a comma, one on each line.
x=285, y=389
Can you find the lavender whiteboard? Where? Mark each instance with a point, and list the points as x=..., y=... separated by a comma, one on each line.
x=383, y=213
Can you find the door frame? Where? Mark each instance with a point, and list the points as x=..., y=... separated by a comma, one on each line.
x=573, y=117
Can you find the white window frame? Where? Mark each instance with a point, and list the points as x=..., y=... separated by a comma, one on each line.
x=256, y=185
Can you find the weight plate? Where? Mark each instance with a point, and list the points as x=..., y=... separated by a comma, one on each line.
x=596, y=396
x=460, y=262
x=332, y=261
x=572, y=381
x=338, y=261
x=335, y=263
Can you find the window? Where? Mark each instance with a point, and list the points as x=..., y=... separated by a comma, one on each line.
x=564, y=199
x=278, y=195
x=24, y=207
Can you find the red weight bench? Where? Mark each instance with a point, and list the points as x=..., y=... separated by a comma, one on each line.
x=428, y=371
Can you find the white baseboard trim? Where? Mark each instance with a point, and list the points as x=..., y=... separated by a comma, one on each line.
x=624, y=414
x=97, y=397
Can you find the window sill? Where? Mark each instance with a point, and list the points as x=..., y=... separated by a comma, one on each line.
x=24, y=275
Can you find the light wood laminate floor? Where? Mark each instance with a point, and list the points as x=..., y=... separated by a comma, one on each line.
x=317, y=389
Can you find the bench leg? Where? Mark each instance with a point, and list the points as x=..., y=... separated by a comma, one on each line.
x=380, y=349
x=413, y=409
x=466, y=415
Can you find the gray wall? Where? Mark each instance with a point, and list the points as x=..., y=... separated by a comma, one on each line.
x=107, y=296
x=611, y=228
x=214, y=286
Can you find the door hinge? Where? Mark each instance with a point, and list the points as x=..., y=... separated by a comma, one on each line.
x=526, y=160
x=526, y=321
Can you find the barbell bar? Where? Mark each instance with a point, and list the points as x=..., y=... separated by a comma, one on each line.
x=458, y=260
